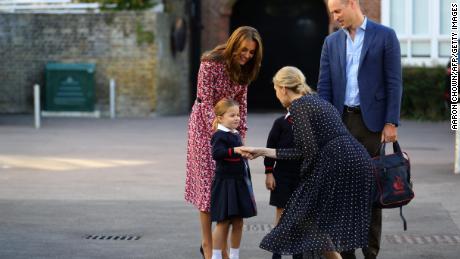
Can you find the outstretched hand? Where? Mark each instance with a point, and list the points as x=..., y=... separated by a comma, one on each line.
x=249, y=152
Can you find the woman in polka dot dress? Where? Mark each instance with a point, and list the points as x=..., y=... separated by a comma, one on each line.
x=330, y=210
x=225, y=72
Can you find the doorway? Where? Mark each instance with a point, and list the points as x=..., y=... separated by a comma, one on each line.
x=292, y=32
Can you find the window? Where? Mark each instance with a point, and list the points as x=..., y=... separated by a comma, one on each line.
x=444, y=25
x=397, y=16
x=444, y=28
x=444, y=49
x=423, y=29
x=420, y=49
x=420, y=19
x=403, y=48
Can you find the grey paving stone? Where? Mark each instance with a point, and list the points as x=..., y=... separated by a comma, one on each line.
x=79, y=177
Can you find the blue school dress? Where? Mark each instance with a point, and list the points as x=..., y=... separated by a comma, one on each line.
x=231, y=190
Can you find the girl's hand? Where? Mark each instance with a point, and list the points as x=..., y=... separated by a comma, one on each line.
x=241, y=150
x=270, y=182
x=254, y=152
x=251, y=152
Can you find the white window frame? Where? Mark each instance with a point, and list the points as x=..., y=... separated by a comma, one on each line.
x=434, y=35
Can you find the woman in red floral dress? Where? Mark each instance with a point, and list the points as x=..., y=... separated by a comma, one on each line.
x=225, y=72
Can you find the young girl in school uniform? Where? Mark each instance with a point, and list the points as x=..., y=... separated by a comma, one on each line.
x=232, y=197
x=281, y=176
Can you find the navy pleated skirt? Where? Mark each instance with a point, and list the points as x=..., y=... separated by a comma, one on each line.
x=232, y=197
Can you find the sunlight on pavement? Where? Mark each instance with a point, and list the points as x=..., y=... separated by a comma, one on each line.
x=62, y=163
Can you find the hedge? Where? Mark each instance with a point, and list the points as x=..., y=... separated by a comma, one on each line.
x=423, y=93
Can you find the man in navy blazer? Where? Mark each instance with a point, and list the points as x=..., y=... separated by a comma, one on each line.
x=360, y=74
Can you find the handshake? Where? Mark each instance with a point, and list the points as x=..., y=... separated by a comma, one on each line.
x=255, y=152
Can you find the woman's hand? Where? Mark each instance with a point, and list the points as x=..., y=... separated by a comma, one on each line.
x=242, y=151
x=251, y=152
x=255, y=152
x=270, y=182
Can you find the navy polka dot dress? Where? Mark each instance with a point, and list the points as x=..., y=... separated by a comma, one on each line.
x=330, y=210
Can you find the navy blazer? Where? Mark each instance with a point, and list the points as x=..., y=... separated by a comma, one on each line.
x=379, y=75
x=228, y=163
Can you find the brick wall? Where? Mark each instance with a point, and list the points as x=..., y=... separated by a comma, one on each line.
x=215, y=16
x=173, y=71
x=123, y=45
x=372, y=9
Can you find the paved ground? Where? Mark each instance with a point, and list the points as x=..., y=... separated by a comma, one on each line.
x=79, y=179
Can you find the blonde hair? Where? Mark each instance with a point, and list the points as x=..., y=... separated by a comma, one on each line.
x=221, y=108
x=293, y=79
x=228, y=53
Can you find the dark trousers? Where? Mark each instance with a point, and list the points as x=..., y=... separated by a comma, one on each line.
x=371, y=141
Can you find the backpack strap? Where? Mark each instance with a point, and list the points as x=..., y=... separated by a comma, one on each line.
x=403, y=219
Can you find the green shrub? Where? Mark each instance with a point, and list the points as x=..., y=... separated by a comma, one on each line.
x=423, y=93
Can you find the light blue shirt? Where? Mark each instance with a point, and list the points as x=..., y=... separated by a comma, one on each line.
x=354, y=48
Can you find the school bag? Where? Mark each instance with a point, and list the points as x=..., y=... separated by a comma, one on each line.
x=393, y=185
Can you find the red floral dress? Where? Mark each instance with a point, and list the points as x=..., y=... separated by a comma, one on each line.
x=213, y=85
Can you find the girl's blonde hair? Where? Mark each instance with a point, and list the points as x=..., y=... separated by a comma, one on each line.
x=220, y=108
x=293, y=79
x=228, y=53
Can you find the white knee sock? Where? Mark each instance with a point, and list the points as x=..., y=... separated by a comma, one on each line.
x=234, y=253
x=216, y=254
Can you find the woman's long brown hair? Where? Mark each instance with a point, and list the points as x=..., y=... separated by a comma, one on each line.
x=229, y=52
